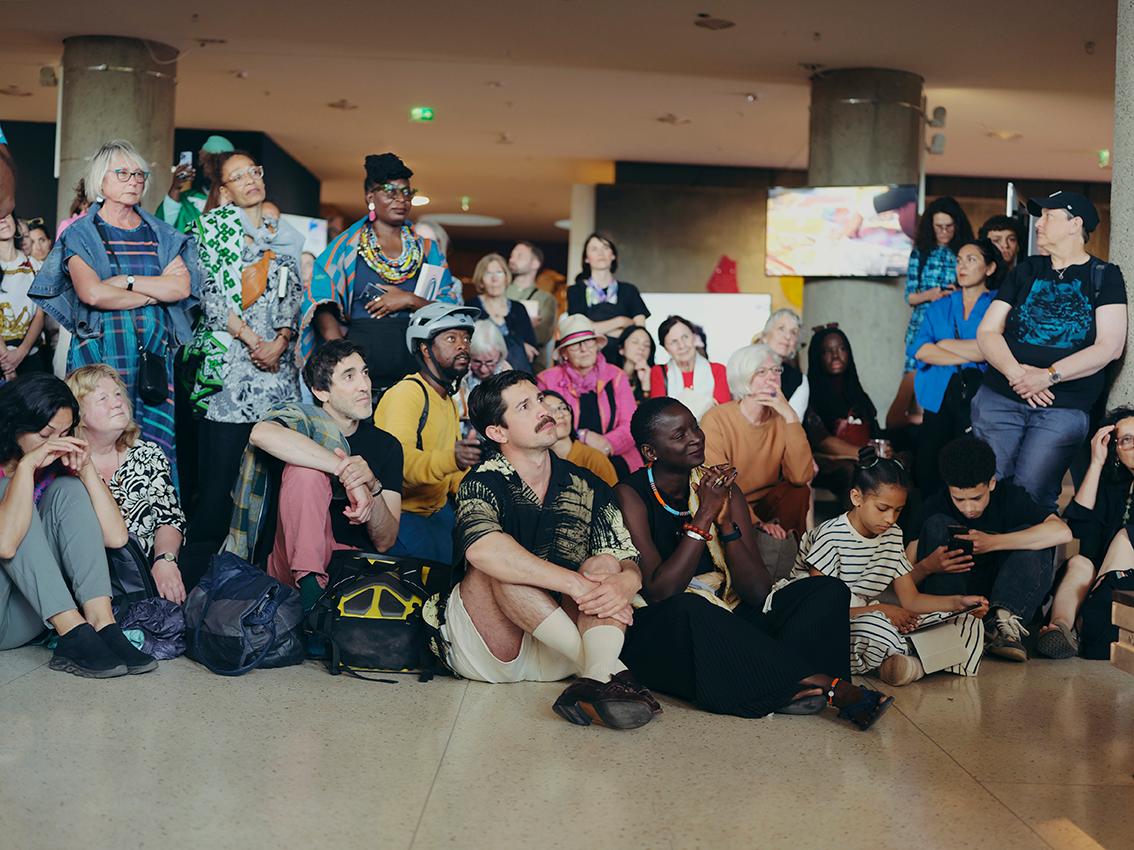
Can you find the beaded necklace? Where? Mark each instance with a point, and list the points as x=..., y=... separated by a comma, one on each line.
x=396, y=271
x=658, y=496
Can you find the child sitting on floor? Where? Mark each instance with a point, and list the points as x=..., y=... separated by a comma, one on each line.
x=863, y=548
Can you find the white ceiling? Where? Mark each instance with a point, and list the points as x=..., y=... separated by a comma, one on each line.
x=578, y=84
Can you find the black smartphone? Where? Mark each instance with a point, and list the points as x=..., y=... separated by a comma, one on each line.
x=955, y=543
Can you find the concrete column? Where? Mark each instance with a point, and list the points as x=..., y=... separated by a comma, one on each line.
x=866, y=128
x=1122, y=187
x=116, y=88
x=582, y=226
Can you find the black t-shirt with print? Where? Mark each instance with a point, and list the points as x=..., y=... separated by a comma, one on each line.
x=1053, y=317
x=629, y=304
x=383, y=454
x=1010, y=508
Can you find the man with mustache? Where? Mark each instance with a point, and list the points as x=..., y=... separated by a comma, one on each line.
x=312, y=522
x=546, y=569
x=421, y=413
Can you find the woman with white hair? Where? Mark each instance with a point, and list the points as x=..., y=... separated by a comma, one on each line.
x=781, y=334
x=488, y=354
x=124, y=284
x=762, y=436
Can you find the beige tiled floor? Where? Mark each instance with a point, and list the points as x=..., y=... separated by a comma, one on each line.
x=1039, y=755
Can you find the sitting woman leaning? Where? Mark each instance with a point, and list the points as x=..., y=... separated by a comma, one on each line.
x=56, y=517
x=136, y=471
x=863, y=548
x=704, y=635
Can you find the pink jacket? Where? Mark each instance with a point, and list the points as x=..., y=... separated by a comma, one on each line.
x=562, y=380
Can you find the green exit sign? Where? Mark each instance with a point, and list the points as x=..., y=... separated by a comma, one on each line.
x=421, y=113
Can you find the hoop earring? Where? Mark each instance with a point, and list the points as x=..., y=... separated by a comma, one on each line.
x=373, y=215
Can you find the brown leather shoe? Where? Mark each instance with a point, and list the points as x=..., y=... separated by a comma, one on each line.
x=613, y=704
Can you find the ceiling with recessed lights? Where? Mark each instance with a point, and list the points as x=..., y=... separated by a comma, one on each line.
x=532, y=97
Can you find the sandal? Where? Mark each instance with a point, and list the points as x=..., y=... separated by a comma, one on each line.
x=806, y=705
x=1058, y=642
x=866, y=711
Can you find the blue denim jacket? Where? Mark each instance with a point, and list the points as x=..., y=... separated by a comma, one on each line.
x=53, y=290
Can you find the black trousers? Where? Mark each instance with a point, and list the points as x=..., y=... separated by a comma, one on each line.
x=745, y=663
x=222, y=447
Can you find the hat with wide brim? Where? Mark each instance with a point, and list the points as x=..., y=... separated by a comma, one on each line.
x=575, y=328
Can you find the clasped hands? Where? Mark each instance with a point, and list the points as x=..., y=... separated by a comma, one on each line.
x=604, y=590
x=1033, y=385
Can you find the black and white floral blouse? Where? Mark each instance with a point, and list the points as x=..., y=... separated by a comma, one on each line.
x=143, y=488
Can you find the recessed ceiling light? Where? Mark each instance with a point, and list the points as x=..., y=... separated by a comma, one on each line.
x=563, y=224
x=1004, y=135
x=420, y=200
x=708, y=22
x=466, y=220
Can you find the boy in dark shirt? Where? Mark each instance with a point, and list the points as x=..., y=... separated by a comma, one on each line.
x=1012, y=541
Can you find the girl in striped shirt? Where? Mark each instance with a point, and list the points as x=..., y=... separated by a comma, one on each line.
x=863, y=548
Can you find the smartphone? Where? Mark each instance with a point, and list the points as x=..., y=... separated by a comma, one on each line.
x=186, y=158
x=965, y=546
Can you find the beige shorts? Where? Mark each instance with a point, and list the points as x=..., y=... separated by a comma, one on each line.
x=470, y=657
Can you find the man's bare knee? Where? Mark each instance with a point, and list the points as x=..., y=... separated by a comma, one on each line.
x=607, y=565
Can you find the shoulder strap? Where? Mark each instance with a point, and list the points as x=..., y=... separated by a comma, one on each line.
x=610, y=398
x=1098, y=270
x=424, y=410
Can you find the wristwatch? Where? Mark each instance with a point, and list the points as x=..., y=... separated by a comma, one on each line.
x=130, y=283
x=168, y=557
x=732, y=535
x=1054, y=375
x=378, y=488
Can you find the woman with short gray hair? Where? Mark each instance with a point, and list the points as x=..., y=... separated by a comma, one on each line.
x=124, y=284
x=488, y=354
x=761, y=435
x=781, y=333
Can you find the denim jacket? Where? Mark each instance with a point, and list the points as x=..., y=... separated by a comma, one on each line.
x=55, y=293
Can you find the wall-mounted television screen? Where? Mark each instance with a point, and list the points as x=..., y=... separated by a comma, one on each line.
x=840, y=231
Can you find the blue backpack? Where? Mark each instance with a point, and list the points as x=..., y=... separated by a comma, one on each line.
x=239, y=618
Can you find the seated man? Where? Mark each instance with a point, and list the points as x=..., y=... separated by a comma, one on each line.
x=420, y=412
x=546, y=568
x=1013, y=541
x=312, y=522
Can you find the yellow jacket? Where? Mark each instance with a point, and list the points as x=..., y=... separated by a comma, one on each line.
x=429, y=474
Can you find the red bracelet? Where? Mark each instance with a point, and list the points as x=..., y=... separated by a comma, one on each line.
x=700, y=532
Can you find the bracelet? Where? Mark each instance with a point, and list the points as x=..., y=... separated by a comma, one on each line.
x=732, y=535
x=693, y=531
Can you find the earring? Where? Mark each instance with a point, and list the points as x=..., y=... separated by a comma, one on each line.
x=373, y=215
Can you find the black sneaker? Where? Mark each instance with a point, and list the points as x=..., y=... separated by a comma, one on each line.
x=1006, y=636
x=613, y=704
x=80, y=652
x=135, y=660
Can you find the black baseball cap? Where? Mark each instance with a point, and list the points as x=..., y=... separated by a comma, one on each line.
x=1076, y=204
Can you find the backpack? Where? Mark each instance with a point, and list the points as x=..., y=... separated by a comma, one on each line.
x=130, y=577
x=370, y=615
x=239, y=618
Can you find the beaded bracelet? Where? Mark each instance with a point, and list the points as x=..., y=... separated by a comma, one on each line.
x=699, y=533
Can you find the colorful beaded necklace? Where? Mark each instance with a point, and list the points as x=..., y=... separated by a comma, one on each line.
x=658, y=496
x=396, y=271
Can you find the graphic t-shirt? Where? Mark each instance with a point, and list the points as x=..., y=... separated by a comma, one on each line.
x=1053, y=316
x=17, y=309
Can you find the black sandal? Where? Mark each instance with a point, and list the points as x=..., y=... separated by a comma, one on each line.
x=866, y=711
x=813, y=704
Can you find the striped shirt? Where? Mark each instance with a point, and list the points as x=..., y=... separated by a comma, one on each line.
x=866, y=565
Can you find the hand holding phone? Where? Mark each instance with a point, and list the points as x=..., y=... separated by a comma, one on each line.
x=955, y=541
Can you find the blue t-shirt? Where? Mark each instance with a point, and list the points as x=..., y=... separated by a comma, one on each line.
x=945, y=319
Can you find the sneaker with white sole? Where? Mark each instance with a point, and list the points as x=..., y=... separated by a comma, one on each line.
x=1005, y=636
x=899, y=670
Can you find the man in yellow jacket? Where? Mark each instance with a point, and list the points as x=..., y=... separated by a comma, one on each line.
x=420, y=412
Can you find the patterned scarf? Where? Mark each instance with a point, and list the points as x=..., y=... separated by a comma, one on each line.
x=220, y=241
x=598, y=295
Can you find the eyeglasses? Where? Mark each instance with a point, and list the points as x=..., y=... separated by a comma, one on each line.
x=770, y=370
x=252, y=172
x=125, y=175
x=484, y=364
x=1126, y=441
x=392, y=190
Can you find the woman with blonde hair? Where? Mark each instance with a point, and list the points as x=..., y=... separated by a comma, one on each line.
x=491, y=279
x=135, y=470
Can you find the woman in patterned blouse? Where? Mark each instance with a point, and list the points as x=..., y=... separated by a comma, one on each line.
x=136, y=471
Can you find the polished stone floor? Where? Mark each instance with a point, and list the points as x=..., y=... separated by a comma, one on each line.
x=1036, y=755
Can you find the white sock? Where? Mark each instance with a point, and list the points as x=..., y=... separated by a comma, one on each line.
x=561, y=634
x=601, y=648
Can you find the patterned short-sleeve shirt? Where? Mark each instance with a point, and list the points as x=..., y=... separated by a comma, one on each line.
x=578, y=518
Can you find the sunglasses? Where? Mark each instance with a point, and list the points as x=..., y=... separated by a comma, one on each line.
x=391, y=191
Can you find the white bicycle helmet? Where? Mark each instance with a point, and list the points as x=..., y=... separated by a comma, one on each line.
x=436, y=317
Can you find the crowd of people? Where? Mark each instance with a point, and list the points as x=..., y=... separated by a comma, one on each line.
x=640, y=525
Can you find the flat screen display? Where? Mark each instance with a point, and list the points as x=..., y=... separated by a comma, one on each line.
x=840, y=231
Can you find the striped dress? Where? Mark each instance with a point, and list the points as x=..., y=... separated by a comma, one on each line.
x=868, y=566
x=134, y=252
